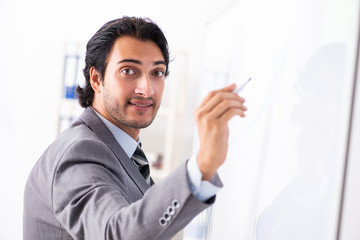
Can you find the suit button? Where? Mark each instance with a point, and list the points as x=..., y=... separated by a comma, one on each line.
x=162, y=222
x=176, y=204
x=171, y=210
x=167, y=216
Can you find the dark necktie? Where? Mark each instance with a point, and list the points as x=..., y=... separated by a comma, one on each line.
x=142, y=163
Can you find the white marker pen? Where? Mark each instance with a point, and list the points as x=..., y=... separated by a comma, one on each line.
x=239, y=88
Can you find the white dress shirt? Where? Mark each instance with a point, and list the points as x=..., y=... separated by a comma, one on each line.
x=203, y=190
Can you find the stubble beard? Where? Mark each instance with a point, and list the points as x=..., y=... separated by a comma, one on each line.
x=118, y=113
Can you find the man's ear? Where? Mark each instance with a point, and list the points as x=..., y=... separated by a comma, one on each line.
x=95, y=80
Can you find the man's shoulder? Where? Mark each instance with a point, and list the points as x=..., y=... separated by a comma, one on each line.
x=76, y=132
x=73, y=137
x=75, y=142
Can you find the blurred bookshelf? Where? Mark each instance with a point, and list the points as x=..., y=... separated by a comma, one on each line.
x=69, y=108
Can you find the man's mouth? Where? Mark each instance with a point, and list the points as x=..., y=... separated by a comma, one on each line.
x=141, y=103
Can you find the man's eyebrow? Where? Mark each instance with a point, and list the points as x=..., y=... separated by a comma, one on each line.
x=140, y=63
x=130, y=60
x=159, y=62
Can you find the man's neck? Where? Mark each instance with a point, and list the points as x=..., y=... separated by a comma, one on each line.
x=132, y=132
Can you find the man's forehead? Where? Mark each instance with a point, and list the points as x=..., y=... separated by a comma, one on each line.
x=128, y=47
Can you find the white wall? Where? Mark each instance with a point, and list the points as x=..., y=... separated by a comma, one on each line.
x=32, y=38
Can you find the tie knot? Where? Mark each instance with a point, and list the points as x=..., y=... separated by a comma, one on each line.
x=139, y=156
x=141, y=163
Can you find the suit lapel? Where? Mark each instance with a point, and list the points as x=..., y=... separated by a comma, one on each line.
x=99, y=128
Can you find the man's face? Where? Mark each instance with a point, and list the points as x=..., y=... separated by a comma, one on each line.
x=133, y=84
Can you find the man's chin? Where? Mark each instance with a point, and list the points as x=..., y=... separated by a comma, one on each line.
x=139, y=124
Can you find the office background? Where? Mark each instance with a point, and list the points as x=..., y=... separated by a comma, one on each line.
x=35, y=38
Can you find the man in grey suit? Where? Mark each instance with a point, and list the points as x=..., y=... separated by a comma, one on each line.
x=93, y=181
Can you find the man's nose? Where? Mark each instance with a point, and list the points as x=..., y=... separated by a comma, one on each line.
x=144, y=87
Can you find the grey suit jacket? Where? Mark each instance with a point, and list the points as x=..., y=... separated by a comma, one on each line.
x=84, y=186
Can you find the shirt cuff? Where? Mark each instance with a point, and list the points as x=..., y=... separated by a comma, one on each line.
x=203, y=190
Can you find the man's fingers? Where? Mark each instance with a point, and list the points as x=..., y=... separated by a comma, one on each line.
x=230, y=114
x=216, y=98
x=231, y=87
x=211, y=95
x=225, y=106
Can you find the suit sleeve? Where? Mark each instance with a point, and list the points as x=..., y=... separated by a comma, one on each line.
x=90, y=198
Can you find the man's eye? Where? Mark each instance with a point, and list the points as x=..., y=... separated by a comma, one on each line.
x=127, y=71
x=159, y=74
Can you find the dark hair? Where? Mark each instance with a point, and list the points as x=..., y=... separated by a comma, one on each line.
x=100, y=45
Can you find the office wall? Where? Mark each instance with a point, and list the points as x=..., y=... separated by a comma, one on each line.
x=283, y=174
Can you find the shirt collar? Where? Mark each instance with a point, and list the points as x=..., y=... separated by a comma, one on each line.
x=126, y=142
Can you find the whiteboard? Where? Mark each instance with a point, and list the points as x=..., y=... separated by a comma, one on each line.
x=283, y=173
